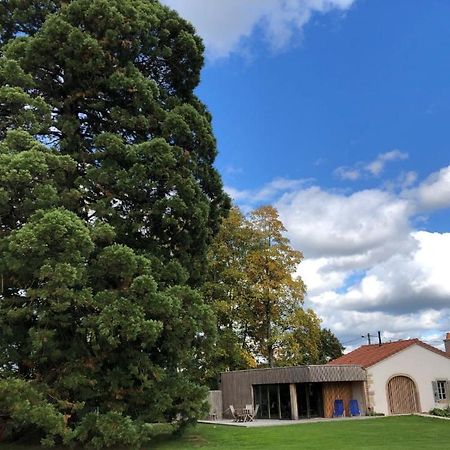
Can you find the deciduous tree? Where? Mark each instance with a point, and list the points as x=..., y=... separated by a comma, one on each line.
x=330, y=346
x=230, y=293
x=277, y=293
x=258, y=299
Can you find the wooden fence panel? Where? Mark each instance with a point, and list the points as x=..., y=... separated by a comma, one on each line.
x=335, y=391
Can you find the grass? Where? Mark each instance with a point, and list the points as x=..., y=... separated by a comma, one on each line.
x=393, y=433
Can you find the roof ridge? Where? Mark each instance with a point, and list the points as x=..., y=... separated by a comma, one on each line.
x=369, y=354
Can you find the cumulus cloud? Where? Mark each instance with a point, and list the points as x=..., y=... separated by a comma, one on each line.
x=354, y=324
x=332, y=224
x=367, y=267
x=406, y=282
x=225, y=24
x=434, y=192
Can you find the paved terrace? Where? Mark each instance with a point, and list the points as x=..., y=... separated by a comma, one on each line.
x=274, y=423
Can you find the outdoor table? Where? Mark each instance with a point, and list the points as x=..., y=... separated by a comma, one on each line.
x=243, y=415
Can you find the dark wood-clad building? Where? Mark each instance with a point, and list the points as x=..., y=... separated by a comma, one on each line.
x=295, y=392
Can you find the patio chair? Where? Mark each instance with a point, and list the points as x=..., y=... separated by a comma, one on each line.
x=354, y=408
x=339, y=408
x=252, y=416
x=234, y=413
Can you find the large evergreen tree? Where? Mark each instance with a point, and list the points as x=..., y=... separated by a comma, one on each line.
x=108, y=201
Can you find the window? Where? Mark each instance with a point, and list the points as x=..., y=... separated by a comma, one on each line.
x=441, y=390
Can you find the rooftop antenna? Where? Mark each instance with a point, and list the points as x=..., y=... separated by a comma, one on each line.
x=379, y=339
x=368, y=338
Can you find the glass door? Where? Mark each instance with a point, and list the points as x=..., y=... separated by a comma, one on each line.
x=274, y=401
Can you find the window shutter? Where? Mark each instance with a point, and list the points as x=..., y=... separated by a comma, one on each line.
x=435, y=391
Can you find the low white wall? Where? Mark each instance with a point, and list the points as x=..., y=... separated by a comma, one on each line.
x=421, y=365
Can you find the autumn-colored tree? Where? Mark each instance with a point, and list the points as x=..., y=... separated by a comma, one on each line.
x=277, y=293
x=230, y=293
x=257, y=298
x=300, y=341
x=252, y=288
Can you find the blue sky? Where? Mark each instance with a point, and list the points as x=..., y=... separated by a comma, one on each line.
x=337, y=112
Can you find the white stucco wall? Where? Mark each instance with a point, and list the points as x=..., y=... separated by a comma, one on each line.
x=421, y=365
x=359, y=394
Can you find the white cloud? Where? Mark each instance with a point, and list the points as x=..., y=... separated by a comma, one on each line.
x=434, y=192
x=373, y=168
x=377, y=166
x=332, y=224
x=223, y=24
x=319, y=279
x=267, y=192
x=403, y=181
x=366, y=266
x=348, y=173
x=406, y=282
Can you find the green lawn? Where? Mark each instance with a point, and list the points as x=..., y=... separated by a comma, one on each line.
x=384, y=433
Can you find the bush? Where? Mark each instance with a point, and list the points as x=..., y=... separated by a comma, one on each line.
x=112, y=429
x=371, y=412
x=31, y=414
x=441, y=412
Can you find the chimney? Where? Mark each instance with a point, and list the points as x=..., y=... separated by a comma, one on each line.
x=447, y=343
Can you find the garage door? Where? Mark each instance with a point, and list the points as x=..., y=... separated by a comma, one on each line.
x=402, y=395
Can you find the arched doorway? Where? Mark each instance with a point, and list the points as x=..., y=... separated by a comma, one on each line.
x=402, y=395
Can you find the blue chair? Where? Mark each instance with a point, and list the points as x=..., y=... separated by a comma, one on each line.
x=338, y=408
x=354, y=408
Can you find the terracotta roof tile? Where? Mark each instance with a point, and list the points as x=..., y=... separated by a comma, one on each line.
x=368, y=355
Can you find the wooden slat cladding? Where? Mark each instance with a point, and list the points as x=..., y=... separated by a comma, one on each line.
x=237, y=386
x=333, y=391
x=402, y=396
x=215, y=404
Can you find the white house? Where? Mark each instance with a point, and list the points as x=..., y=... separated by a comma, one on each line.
x=404, y=376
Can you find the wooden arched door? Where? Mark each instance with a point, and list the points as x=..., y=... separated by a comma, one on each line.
x=402, y=395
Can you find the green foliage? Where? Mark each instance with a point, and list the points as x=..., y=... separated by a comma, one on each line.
x=20, y=108
x=330, y=348
x=300, y=342
x=29, y=410
x=110, y=429
x=277, y=292
x=441, y=412
x=258, y=300
x=108, y=202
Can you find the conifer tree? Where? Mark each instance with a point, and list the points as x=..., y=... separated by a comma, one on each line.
x=108, y=202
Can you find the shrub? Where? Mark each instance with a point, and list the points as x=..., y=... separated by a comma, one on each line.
x=441, y=412
x=112, y=429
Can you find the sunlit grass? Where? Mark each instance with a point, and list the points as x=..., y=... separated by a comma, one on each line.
x=393, y=433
